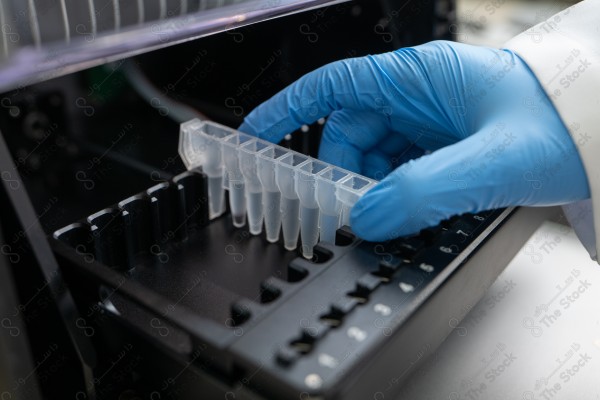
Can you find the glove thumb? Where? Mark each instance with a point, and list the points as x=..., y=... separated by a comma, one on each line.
x=493, y=168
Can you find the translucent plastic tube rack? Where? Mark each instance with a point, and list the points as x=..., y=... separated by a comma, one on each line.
x=288, y=191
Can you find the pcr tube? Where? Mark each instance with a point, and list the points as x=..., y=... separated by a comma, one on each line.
x=290, y=204
x=349, y=191
x=254, y=188
x=235, y=179
x=205, y=150
x=269, y=178
x=328, y=181
x=305, y=184
x=266, y=165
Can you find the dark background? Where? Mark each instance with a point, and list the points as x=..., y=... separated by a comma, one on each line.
x=87, y=140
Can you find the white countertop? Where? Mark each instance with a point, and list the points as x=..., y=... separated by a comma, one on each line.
x=535, y=334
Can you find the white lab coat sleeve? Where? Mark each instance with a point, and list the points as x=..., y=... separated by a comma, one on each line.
x=564, y=54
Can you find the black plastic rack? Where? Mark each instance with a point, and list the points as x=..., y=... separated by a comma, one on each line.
x=224, y=314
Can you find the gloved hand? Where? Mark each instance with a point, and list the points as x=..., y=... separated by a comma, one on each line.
x=490, y=135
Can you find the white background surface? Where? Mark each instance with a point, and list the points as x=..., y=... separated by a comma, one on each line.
x=509, y=346
x=493, y=22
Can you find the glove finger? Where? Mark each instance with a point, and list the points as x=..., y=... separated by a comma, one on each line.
x=378, y=163
x=348, y=135
x=362, y=142
x=355, y=84
x=492, y=169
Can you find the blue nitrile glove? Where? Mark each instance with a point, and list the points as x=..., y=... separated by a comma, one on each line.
x=495, y=138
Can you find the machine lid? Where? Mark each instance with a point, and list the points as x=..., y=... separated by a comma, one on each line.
x=43, y=39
